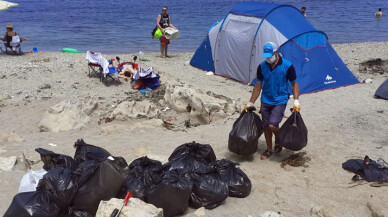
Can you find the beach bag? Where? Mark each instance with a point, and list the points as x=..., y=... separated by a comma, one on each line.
x=209, y=190
x=86, y=152
x=238, y=182
x=375, y=171
x=32, y=204
x=142, y=173
x=172, y=193
x=243, y=139
x=52, y=160
x=156, y=33
x=190, y=156
x=382, y=91
x=293, y=133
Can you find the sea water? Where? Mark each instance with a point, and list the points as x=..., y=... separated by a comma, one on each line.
x=124, y=26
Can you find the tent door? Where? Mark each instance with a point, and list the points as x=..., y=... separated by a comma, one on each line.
x=234, y=47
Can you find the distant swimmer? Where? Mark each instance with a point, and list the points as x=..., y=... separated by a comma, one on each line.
x=303, y=11
x=379, y=13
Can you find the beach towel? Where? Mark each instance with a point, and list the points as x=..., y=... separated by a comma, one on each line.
x=15, y=41
x=97, y=58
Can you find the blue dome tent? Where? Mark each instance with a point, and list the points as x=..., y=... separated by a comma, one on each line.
x=233, y=46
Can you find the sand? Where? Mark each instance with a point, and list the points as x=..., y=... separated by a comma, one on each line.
x=343, y=123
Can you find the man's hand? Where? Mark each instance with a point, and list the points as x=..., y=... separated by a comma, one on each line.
x=249, y=107
x=296, y=106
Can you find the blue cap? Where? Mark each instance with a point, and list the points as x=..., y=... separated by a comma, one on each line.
x=268, y=49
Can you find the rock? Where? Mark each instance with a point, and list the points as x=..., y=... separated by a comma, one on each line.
x=271, y=214
x=374, y=211
x=119, y=128
x=200, y=212
x=10, y=137
x=135, y=207
x=4, y=97
x=45, y=86
x=134, y=109
x=368, y=81
x=68, y=115
x=203, y=108
x=7, y=163
x=321, y=212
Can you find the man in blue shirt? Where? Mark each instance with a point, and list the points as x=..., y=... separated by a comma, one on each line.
x=274, y=75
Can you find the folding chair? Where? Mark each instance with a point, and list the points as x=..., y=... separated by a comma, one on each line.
x=94, y=69
x=13, y=47
x=111, y=77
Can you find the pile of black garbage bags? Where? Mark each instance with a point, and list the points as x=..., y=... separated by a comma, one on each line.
x=74, y=187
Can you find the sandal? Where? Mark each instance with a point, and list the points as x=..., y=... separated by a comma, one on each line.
x=278, y=149
x=266, y=154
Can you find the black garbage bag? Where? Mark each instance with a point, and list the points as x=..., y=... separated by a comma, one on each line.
x=53, y=160
x=76, y=213
x=103, y=184
x=59, y=183
x=209, y=190
x=85, y=152
x=191, y=156
x=84, y=170
x=243, y=139
x=172, y=193
x=32, y=204
x=142, y=173
x=293, y=133
x=382, y=91
x=238, y=182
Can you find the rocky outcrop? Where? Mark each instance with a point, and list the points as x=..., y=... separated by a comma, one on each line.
x=68, y=115
x=202, y=107
x=134, y=109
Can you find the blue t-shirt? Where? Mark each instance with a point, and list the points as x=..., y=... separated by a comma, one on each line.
x=275, y=82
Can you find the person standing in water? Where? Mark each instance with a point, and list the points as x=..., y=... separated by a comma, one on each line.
x=379, y=13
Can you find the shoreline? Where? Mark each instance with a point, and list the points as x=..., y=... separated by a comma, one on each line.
x=156, y=51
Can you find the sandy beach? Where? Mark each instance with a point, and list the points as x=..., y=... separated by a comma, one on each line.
x=343, y=123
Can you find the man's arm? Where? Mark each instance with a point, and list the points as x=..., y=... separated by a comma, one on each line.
x=256, y=92
x=295, y=90
x=158, y=23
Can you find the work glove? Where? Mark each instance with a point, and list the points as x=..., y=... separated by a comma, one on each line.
x=249, y=107
x=296, y=106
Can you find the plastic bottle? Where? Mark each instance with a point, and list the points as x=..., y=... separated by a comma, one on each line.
x=141, y=55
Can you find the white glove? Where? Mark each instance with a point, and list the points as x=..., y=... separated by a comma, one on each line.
x=249, y=104
x=296, y=106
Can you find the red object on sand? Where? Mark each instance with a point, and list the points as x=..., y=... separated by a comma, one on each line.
x=127, y=197
x=138, y=85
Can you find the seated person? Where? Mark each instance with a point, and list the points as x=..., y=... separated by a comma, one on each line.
x=9, y=34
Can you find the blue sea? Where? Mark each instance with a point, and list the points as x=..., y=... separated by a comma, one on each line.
x=124, y=26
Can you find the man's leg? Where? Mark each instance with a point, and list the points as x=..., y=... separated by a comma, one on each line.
x=277, y=115
x=265, y=111
x=165, y=51
x=162, y=50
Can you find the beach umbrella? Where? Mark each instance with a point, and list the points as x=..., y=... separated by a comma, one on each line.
x=4, y=5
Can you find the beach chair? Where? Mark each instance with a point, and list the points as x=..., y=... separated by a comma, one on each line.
x=111, y=76
x=13, y=47
x=95, y=69
x=102, y=68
